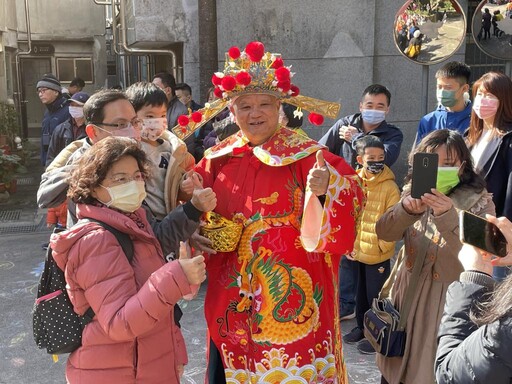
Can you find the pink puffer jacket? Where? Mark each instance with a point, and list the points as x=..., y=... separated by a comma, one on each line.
x=133, y=337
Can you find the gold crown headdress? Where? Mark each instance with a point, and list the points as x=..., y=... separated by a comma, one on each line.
x=254, y=71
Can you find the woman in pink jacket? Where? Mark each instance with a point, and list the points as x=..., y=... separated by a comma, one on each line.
x=133, y=337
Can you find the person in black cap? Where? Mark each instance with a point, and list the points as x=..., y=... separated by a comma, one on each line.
x=70, y=130
x=49, y=91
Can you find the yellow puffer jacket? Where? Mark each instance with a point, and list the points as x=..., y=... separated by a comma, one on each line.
x=381, y=194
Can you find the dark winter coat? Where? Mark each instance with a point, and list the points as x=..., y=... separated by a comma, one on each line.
x=495, y=165
x=390, y=135
x=55, y=114
x=466, y=353
x=63, y=135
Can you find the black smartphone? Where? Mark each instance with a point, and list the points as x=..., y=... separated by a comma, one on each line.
x=424, y=173
x=482, y=234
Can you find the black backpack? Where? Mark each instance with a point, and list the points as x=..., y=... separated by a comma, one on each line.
x=56, y=326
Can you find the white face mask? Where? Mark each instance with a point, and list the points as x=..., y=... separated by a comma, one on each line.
x=76, y=112
x=126, y=197
x=152, y=129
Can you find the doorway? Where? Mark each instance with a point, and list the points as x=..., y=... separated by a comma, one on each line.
x=32, y=110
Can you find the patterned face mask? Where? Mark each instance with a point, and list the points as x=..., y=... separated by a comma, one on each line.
x=374, y=166
x=153, y=128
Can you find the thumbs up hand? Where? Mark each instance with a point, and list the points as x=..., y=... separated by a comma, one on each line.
x=195, y=269
x=203, y=199
x=318, y=178
x=191, y=181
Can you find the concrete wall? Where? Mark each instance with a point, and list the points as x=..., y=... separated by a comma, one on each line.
x=337, y=48
x=74, y=28
x=62, y=19
x=159, y=23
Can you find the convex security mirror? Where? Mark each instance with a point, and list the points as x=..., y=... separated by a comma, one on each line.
x=491, y=28
x=429, y=31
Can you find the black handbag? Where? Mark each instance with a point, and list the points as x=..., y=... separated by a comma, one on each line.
x=56, y=326
x=384, y=325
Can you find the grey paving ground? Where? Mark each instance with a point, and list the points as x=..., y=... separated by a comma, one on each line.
x=22, y=231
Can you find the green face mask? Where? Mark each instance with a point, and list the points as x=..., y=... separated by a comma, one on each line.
x=447, y=178
x=446, y=98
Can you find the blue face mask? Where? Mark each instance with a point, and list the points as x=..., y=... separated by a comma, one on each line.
x=373, y=116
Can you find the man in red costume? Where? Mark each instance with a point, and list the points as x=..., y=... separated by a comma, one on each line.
x=271, y=304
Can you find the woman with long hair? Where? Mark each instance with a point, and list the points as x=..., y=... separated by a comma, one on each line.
x=490, y=140
x=458, y=188
x=476, y=332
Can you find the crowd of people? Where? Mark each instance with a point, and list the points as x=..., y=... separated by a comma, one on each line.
x=289, y=261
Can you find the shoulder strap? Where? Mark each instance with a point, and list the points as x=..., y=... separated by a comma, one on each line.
x=123, y=239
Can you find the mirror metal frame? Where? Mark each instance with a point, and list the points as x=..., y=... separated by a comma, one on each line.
x=437, y=61
x=478, y=10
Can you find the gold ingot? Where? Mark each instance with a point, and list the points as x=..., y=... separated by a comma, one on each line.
x=223, y=233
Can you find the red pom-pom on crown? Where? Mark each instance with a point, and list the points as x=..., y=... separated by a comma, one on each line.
x=278, y=63
x=228, y=83
x=284, y=85
x=295, y=90
x=315, y=118
x=196, y=117
x=234, y=53
x=216, y=80
x=282, y=74
x=183, y=120
x=255, y=51
x=243, y=78
x=218, y=92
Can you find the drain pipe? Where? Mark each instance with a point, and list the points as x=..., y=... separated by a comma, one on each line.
x=102, y=2
x=19, y=53
x=138, y=51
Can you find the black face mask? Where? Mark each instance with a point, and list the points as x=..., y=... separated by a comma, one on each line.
x=374, y=166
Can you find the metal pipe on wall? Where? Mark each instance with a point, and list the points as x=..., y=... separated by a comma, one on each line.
x=19, y=53
x=139, y=51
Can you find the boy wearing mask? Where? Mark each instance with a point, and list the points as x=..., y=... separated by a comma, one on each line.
x=370, y=121
x=168, y=155
x=370, y=254
x=454, y=107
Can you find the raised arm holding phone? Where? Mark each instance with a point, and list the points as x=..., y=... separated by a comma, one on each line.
x=457, y=188
x=476, y=332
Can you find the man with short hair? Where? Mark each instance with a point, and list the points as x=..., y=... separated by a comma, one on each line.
x=184, y=94
x=109, y=113
x=340, y=139
x=70, y=130
x=371, y=120
x=49, y=91
x=454, y=107
x=166, y=82
x=76, y=85
x=106, y=113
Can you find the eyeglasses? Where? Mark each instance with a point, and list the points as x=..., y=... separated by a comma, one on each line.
x=135, y=123
x=42, y=90
x=122, y=178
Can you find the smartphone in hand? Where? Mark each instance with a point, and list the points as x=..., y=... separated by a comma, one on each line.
x=482, y=234
x=424, y=173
